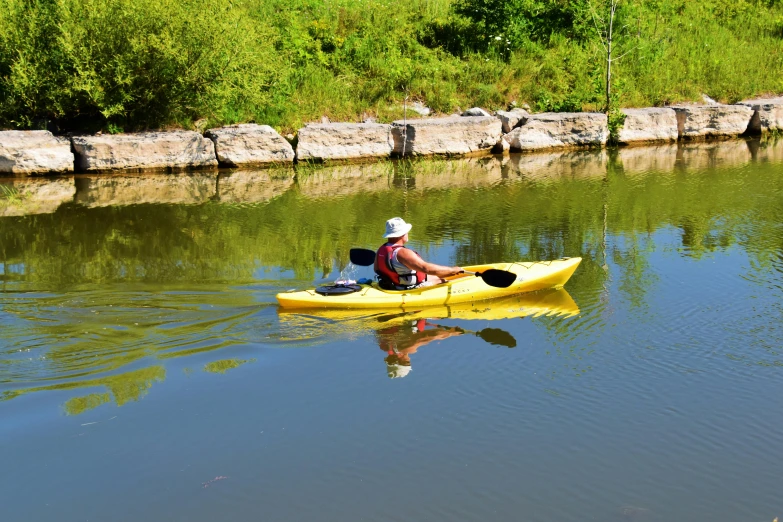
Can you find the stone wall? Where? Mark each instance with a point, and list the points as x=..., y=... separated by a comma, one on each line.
x=473, y=133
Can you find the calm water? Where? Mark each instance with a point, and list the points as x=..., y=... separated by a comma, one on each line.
x=146, y=372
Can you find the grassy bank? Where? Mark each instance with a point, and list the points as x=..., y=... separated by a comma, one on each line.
x=133, y=64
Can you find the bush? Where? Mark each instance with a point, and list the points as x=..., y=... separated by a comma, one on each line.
x=121, y=65
x=131, y=63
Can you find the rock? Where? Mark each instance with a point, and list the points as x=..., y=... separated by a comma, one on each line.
x=708, y=100
x=34, y=152
x=452, y=135
x=253, y=186
x=767, y=115
x=476, y=111
x=342, y=141
x=250, y=145
x=648, y=125
x=27, y=196
x=502, y=147
x=551, y=130
x=123, y=189
x=420, y=109
x=512, y=119
x=702, y=121
x=176, y=150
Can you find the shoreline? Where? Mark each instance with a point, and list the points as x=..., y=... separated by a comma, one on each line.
x=475, y=133
x=31, y=195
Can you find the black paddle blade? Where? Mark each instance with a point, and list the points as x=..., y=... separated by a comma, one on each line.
x=498, y=278
x=498, y=337
x=362, y=257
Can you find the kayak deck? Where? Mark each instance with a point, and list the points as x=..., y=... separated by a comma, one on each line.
x=531, y=276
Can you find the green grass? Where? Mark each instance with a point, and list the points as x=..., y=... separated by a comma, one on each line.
x=122, y=65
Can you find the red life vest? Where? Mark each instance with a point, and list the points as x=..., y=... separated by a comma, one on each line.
x=390, y=338
x=387, y=275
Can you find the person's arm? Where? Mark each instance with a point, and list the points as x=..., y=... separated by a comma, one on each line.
x=412, y=260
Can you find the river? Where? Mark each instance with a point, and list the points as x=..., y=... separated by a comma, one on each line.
x=146, y=372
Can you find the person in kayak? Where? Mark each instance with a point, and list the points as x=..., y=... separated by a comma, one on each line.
x=400, y=268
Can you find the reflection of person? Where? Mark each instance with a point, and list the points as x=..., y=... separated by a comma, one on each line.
x=401, y=268
x=400, y=341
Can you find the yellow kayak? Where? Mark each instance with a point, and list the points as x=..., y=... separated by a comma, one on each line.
x=464, y=288
x=550, y=302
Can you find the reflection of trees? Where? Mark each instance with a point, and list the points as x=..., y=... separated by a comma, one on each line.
x=225, y=365
x=122, y=388
x=714, y=200
x=534, y=218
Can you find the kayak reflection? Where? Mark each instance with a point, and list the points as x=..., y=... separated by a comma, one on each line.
x=402, y=340
x=401, y=332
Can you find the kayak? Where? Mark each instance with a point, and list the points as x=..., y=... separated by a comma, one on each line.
x=462, y=288
x=550, y=302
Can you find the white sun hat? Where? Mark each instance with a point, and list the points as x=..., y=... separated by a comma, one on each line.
x=397, y=371
x=397, y=227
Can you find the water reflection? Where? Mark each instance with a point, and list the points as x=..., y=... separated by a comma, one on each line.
x=662, y=380
x=400, y=333
x=134, y=189
x=184, y=261
x=31, y=196
x=400, y=341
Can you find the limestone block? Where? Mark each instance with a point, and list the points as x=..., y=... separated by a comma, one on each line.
x=27, y=196
x=767, y=114
x=452, y=135
x=648, y=125
x=253, y=186
x=554, y=130
x=250, y=145
x=703, y=121
x=34, y=152
x=512, y=119
x=343, y=141
x=125, y=189
x=176, y=150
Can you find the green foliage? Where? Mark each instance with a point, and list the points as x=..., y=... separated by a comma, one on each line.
x=122, y=65
x=140, y=63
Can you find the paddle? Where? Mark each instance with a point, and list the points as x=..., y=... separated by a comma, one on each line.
x=496, y=336
x=491, y=276
x=362, y=257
